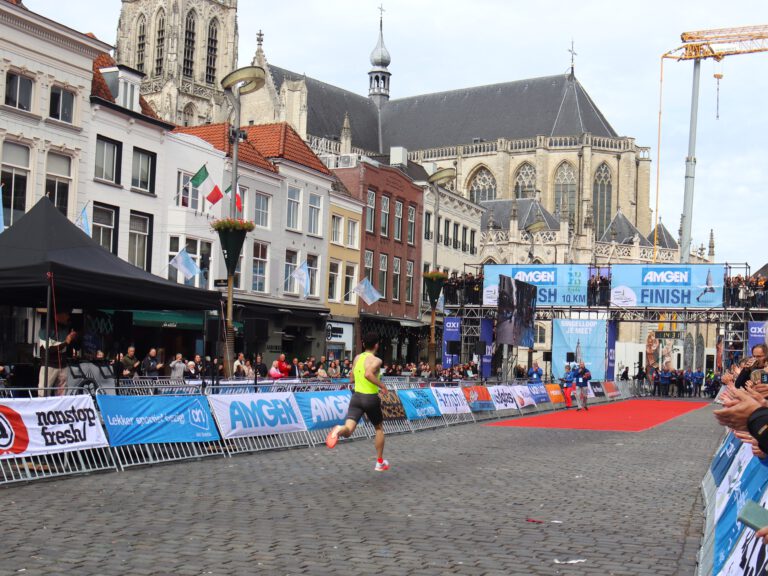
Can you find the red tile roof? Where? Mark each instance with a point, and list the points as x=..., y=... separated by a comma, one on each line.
x=218, y=136
x=282, y=141
x=100, y=89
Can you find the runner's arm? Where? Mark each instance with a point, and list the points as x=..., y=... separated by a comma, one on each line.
x=372, y=365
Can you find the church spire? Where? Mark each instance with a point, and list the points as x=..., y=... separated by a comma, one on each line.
x=378, y=77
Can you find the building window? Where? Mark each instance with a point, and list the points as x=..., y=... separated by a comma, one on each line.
x=189, y=45
x=409, y=281
x=411, y=224
x=525, y=181
x=143, y=177
x=352, y=235
x=602, y=190
x=210, y=61
x=57, y=180
x=187, y=196
x=384, y=216
x=160, y=43
x=18, y=91
x=62, y=106
x=456, y=245
x=483, y=186
x=104, y=226
x=464, y=234
x=540, y=334
x=565, y=190
x=200, y=253
x=383, y=275
x=447, y=232
x=350, y=281
x=337, y=224
x=141, y=43
x=237, y=277
x=313, y=263
x=395, y=278
x=291, y=262
x=427, y=225
x=139, y=231
x=108, y=159
x=333, y=281
x=424, y=295
x=294, y=208
x=398, y=220
x=261, y=210
x=260, y=264
x=14, y=175
x=315, y=205
x=368, y=261
x=370, y=212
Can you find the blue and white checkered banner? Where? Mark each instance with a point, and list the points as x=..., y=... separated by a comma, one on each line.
x=323, y=409
x=419, y=403
x=242, y=415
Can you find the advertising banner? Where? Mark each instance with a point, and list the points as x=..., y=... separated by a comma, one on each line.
x=478, y=398
x=419, y=403
x=724, y=458
x=597, y=388
x=555, y=393
x=451, y=400
x=610, y=367
x=503, y=397
x=748, y=555
x=156, y=419
x=486, y=366
x=756, y=335
x=667, y=285
x=523, y=396
x=391, y=406
x=516, y=313
x=585, y=339
x=610, y=389
x=539, y=393
x=452, y=329
x=323, y=409
x=35, y=426
x=256, y=414
x=558, y=284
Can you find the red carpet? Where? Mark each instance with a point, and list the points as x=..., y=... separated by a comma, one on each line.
x=628, y=416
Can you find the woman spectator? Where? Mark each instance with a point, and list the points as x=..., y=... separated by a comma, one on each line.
x=250, y=373
x=321, y=372
x=333, y=369
x=275, y=372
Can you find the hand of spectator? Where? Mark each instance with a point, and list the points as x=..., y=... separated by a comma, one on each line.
x=739, y=406
x=755, y=394
x=761, y=389
x=763, y=533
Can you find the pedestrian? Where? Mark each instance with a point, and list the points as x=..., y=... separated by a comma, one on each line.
x=192, y=372
x=583, y=376
x=178, y=367
x=260, y=368
x=568, y=384
x=239, y=363
x=151, y=366
x=275, y=372
x=365, y=399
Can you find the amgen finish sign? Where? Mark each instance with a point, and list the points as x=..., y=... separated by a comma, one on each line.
x=669, y=286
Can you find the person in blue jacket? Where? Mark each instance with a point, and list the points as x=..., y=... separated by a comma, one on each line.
x=568, y=384
x=665, y=378
x=698, y=382
x=582, y=378
x=535, y=374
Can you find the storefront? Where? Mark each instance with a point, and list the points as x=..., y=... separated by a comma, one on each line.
x=400, y=338
x=339, y=340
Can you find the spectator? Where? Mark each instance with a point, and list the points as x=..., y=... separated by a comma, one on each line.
x=260, y=368
x=239, y=363
x=250, y=373
x=535, y=373
x=199, y=365
x=192, y=372
x=321, y=372
x=282, y=366
x=129, y=363
x=582, y=377
x=346, y=367
x=151, y=366
x=295, y=370
x=333, y=369
x=178, y=367
x=624, y=374
x=275, y=373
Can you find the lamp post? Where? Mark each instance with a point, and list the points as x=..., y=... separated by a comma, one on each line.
x=237, y=83
x=438, y=178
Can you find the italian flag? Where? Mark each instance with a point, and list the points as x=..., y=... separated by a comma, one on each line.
x=238, y=198
x=205, y=184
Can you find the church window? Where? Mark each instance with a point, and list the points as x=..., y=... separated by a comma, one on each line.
x=189, y=115
x=483, y=186
x=602, y=190
x=160, y=44
x=189, y=45
x=565, y=190
x=141, y=43
x=525, y=181
x=210, y=63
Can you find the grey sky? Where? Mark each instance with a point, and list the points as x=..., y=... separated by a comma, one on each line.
x=444, y=44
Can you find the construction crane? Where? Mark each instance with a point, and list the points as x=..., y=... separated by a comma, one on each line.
x=697, y=46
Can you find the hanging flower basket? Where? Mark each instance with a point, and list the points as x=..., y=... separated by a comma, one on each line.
x=232, y=236
x=433, y=281
x=232, y=224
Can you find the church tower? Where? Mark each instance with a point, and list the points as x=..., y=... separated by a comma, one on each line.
x=184, y=48
x=378, y=77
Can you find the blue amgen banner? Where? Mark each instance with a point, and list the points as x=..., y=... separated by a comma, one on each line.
x=419, y=403
x=585, y=339
x=756, y=335
x=156, y=419
x=539, y=393
x=323, y=409
x=557, y=284
x=667, y=285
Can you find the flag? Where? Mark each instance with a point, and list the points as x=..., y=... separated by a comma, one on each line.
x=301, y=275
x=441, y=303
x=85, y=224
x=183, y=263
x=367, y=292
x=238, y=198
x=205, y=184
x=2, y=215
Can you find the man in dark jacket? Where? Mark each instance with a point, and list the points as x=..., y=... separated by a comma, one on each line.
x=151, y=366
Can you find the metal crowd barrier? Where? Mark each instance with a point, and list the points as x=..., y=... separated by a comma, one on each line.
x=453, y=419
x=408, y=383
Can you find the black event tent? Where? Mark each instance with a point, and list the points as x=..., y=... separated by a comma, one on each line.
x=84, y=274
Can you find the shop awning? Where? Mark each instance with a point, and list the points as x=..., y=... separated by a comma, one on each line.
x=171, y=319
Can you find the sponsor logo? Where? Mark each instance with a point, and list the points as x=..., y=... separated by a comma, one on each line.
x=14, y=437
x=329, y=409
x=666, y=277
x=262, y=414
x=198, y=416
x=452, y=324
x=757, y=330
x=538, y=277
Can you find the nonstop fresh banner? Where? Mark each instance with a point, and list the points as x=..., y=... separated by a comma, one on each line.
x=419, y=403
x=558, y=284
x=503, y=397
x=323, y=409
x=585, y=339
x=156, y=419
x=36, y=426
x=451, y=400
x=262, y=414
x=667, y=286
x=478, y=398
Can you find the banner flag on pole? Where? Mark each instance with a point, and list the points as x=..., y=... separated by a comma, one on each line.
x=205, y=184
x=2, y=214
x=301, y=275
x=85, y=224
x=367, y=292
x=440, y=307
x=183, y=263
x=238, y=198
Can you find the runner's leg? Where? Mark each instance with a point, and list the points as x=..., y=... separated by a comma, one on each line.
x=379, y=441
x=348, y=429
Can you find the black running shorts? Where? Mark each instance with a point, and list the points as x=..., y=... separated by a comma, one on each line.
x=368, y=404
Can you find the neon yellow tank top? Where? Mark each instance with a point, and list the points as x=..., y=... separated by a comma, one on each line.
x=362, y=384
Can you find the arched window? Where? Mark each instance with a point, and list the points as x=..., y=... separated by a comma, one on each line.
x=159, y=43
x=189, y=114
x=483, y=186
x=213, y=42
x=565, y=190
x=141, y=42
x=602, y=189
x=189, y=45
x=525, y=181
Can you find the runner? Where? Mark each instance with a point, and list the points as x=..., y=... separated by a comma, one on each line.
x=582, y=377
x=365, y=399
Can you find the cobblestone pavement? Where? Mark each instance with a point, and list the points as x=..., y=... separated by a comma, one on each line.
x=455, y=502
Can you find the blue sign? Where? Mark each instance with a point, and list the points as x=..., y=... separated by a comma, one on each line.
x=585, y=339
x=724, y=457
x=667, y=286
x=323, y=409
x=756, y=335
x=157, y=419
x=452, y=329
x=558, y=284
x=419, y=403
x=486, y=366
x=539, y=393
x=610, y=370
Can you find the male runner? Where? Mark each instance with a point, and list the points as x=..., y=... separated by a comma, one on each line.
x=365, y=399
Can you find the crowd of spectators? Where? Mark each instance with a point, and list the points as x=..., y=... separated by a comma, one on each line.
x=746, y=291
x=464, y=289
x=599, y=290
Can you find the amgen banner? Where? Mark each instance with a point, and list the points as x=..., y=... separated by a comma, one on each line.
x=667, y=286
x=558, y=284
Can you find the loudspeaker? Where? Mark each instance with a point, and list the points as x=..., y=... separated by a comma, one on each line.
x=480, y=348
x=123, y=323
x=547, y=356
x=453, y=348
x=570, y=357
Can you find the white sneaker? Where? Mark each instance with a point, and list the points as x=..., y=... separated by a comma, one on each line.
x=381, y=467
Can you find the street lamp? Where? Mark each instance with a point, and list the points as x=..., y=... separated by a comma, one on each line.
x=241, y=81
x=437, y=179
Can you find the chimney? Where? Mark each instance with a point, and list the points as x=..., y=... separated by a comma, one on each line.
x=398, y=156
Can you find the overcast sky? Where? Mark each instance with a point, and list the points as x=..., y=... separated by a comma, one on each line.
x=445, y=44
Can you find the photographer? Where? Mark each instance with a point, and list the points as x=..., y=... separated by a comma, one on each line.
x=756, y=362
